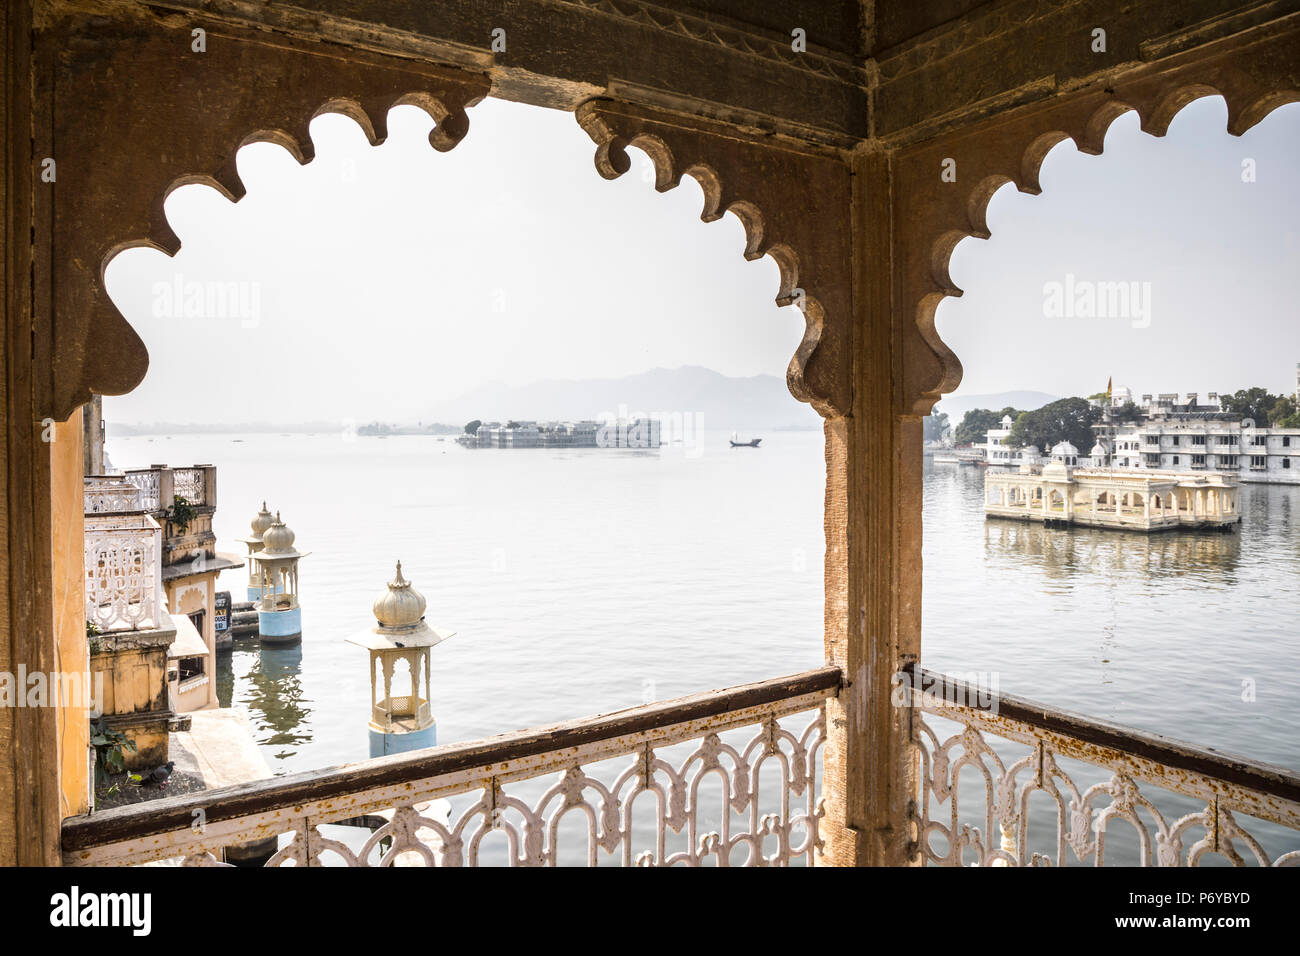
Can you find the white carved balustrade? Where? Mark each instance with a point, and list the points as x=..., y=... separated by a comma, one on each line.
x=190, y=484
x=123, y=562
x=1008, y=782
x=728, y=778
x=111, y=494
x=148, y=480
x=160, y=485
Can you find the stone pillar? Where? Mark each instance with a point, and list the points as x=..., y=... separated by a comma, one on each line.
x=209, y=484
x=874, y=470
x=166, y=489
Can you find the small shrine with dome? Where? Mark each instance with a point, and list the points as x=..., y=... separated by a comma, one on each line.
x=401, y=717
x=260, y=523
x=279, y=616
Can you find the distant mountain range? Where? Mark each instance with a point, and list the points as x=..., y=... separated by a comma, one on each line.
x=753, y=404
x=955, y=406
x=758, y=402
x=121, y=429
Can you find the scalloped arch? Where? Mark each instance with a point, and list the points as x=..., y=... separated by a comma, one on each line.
x=228, y=183
x=612, y=162
x=153, y=121
x=1011, y=149
x=733, y=172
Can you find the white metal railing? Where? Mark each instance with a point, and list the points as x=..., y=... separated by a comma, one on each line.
x=123, y=561
x=754, y=750
x=110, y=494
x=1016, y=783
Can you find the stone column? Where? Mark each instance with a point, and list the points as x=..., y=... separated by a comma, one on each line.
x=874, y=470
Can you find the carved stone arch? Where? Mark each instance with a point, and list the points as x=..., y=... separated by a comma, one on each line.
x=1254, y=74
x=794, y=201
x=139, y=114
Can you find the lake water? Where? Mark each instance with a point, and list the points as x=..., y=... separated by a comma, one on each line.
x=582, y=581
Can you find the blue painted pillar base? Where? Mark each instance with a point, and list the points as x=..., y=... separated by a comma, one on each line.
x=280, y=627
x=382, y=744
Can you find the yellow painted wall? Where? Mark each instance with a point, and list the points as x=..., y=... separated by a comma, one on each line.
x=69, y=595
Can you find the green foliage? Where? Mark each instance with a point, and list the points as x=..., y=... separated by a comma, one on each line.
x=935, y=425
x=1253, y=403
x=977, y=422
x=1069, y=419
x=1128, y=412
x=1284, y=410
x=181, y=513
x=471, y=428
x=111, y=747
x=1262, y=407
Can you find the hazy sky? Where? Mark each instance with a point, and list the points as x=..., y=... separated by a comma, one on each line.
x=1220, y=255
x=395, y=276
x=375, y=282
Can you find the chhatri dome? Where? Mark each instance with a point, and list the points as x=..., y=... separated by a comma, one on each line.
x=399, y=619
x=277, y=540
x=401, y=605
x=1098, y=450
x=260, y=523
x=1064, y=448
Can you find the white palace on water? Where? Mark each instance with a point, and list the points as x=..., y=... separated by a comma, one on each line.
x=1061, y=493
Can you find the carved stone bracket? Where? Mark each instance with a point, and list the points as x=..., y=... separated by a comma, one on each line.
x=794, y=202
x=129, y=111
x=1255, y=74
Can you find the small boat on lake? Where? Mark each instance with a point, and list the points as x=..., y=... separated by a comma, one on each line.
x=752, y=443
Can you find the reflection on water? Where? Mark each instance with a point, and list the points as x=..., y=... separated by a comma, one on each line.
x=578, y=581
x=1190, y=634
x=679, y=574
x=1158, y=632
x=1061, y=555
x=269, y=682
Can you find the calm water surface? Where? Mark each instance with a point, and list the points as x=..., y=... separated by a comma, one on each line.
x=580, y=581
